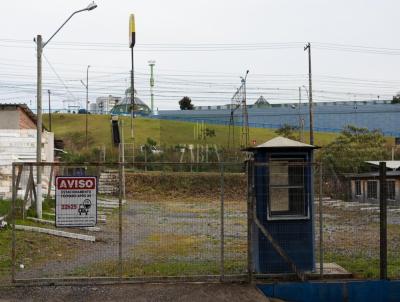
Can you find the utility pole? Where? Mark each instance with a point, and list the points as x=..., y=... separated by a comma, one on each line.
x=132, y=41
x=87, y=103
x=310, y=100
x=245, y=116
x=151, y=64
x=48, y=91
x=39, y=45
x=301, y=126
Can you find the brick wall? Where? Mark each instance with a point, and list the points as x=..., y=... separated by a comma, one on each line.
x=25, y=122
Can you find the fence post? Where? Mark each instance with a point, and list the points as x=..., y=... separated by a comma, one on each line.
x=13, y=248
x=321, y=239
x=250, y=172
x=383, y=220
x=222, y=263
x=120, y=177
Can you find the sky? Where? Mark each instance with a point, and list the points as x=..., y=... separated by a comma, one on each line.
x=201, y=49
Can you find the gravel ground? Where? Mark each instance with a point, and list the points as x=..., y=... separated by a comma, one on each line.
x=153, y=231
x=137, y=292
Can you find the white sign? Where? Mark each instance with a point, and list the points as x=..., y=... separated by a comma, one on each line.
x=76, y=201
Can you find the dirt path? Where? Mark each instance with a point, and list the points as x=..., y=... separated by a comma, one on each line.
x=137, y=293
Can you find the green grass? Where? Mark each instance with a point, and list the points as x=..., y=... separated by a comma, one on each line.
x=71, y=128
x=138, y=268
x=5, y=207
x=32, y=249
x=48, y=206
x=365, y=267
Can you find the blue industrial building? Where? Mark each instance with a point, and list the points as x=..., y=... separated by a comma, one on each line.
x=328, y=116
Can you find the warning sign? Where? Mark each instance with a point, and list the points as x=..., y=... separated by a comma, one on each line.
x=76, y=201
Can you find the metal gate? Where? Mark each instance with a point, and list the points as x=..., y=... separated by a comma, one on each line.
x=155, y=221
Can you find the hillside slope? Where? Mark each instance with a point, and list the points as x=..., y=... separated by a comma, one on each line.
x=71, y=129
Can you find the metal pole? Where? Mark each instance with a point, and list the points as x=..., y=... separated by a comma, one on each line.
x=87, y=102
x=245, y=116
x=120, y=166
x=152, y=63
x=310, y=100
x=13, y=248
x=122, y=158
x=49, y=111
x=321, y=239
x=383, y=220
x=39, y=45
x=300, y=123
x=132, y=93
x=250, y=172
x=222, y=263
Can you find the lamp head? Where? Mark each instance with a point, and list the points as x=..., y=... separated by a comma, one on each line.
x=91, y=6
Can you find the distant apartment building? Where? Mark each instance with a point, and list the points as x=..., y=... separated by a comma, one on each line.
x=104, y=104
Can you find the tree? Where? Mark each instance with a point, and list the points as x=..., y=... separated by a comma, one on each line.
x=186, y=103
x=288, y=131
x=396, y=99
x=209, y=132
x=150, y=144
x=348, y=152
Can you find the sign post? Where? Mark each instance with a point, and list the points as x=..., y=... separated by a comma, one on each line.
x=132, y=41
x=76, y=201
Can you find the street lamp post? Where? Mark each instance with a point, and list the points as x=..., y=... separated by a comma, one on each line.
x=87, y=102
x=39, y=50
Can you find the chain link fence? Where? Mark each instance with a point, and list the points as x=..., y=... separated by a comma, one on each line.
x=192, y=221
x=155, y=221
x=352, y=223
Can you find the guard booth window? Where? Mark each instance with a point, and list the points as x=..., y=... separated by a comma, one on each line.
x=391, y=190
x=372, y=189
x=358, y=187
x=286, y=190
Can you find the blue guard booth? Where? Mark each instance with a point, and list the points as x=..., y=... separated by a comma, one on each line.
x=283, y=190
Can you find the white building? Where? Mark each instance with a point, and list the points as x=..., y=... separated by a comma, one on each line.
x=104, y=104
x=18, y=144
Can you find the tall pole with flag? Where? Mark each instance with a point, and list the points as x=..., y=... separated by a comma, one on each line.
x=132, y=40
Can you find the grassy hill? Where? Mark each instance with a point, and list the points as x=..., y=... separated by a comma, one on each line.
x=71, y=129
